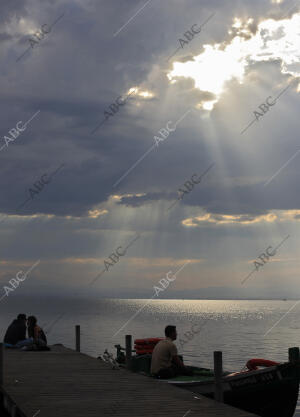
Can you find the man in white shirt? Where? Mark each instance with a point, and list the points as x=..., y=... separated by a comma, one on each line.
x=165, y=362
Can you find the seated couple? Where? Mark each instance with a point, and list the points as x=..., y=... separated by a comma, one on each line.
x=15, y=336
x=165, y=362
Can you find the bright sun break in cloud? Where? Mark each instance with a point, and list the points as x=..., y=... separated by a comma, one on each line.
x=274, y=40
x=242, y=219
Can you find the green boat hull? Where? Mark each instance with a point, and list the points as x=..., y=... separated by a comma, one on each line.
x=267, y=392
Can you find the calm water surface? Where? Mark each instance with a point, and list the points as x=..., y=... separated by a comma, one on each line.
x=237, y=328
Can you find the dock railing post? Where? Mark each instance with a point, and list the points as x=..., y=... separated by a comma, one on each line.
x=294, y=355
x=128, y=344
x=218, y=370
x=1, y=364
x=77, y=333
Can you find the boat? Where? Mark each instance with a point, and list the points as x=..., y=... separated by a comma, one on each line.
x=267, y=392
x=271, y=391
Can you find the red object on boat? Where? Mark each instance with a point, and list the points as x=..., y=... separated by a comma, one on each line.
x=148, y=341
x=144, y=346
x=143, y=351
x=253, y=364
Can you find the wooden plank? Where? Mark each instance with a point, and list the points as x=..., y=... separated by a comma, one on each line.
x=66, y=383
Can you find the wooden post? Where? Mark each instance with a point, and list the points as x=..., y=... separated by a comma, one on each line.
x=14, y=411
x=294, y=354
x=1, y=364
x=77, y=333
x=218, y=370
x=128, y=345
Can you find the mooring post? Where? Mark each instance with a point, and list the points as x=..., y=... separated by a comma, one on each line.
x=77, y=332
x=128, y=345
x=294, y=355
x=1, y=364
x=14, y=410
x=218, y=370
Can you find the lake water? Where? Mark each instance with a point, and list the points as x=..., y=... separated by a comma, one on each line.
x=237, y=328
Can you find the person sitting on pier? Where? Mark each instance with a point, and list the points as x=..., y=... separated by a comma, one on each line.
x=36, y=333
x=16, y=331
x=36, y=337
x=165, y=361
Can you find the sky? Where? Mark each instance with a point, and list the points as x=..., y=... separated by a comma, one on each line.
x=141, y=139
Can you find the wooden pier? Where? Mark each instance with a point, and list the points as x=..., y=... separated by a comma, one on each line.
x=66, y=383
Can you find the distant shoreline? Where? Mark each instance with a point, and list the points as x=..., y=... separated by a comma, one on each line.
x=97, y=298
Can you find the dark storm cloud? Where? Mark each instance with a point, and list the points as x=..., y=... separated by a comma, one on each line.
x=88, y=110
x=140, y=200
x=75, y=75
x=13, y=9
x=5, y=37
